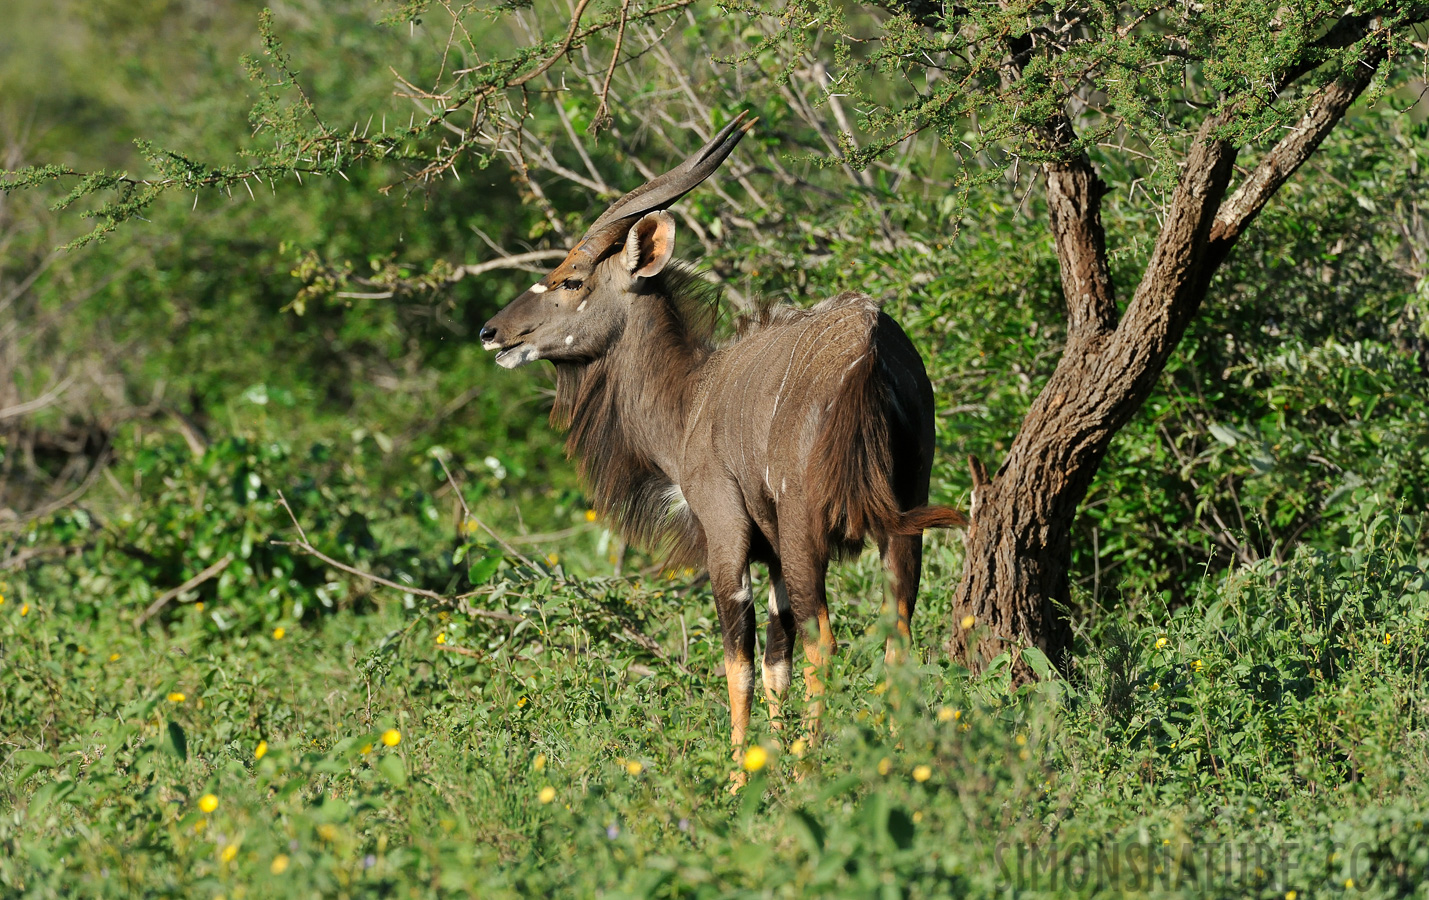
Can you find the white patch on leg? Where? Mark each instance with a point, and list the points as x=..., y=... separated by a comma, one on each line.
x=778, y=601
x=777, y=676
x=744, y=596
x=741, y=679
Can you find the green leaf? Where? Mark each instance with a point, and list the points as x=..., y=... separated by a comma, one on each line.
x=1038, y=662
x=392, y=769
x=481, y=571
x=35, y=758
x=178, y=743
x=809, y=831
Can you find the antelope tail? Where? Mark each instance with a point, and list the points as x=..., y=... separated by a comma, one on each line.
x=852, y=474
x=916, y=521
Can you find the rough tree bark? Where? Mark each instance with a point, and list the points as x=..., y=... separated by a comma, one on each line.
x=1015, y=585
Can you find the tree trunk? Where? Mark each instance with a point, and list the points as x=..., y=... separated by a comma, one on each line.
x=1016, y=583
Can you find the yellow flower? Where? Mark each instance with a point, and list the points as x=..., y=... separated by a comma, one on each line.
x=200, y=825
x=539, y=763
x=917, y=816
x=634, y=767
x=1161, y=643
x=176, y=697
x=114, y=657
x=590, y=515
x=547, y=794
x=922, y=773
x=1198, y=665
x=1290, y=895
x=520, y=703
x=391, y=737
x=945, y=714
x=228, y=853
x=24, y=609
x=1388, y=638
x=327, y=831
x=208, y=803
x=968, y=622
x=885, y=766
x=366, y=749
x=279, y=865
x=199, y=606
x=261, y=749
x=552, y=558
x=278, y=636
x=1021, y=740
x=1349, y=883
x=442, y=638
x=755, y=758
x=798, y=747
x=1155, y=685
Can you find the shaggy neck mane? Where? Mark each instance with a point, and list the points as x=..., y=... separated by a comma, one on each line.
x=626, y=411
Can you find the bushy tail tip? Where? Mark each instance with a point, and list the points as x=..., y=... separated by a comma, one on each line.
x=916, y=521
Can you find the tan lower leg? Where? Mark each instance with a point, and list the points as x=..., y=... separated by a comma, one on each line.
x=739, y=678
x=896, y=646
x=818, y=652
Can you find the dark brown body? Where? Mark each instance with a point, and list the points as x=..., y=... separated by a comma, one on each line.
x=808, y=434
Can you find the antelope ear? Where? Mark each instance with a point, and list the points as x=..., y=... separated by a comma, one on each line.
x=649, y=244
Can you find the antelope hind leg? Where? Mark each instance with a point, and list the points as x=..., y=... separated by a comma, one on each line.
x=902, y=567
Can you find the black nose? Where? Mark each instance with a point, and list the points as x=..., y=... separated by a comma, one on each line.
x=488, y=334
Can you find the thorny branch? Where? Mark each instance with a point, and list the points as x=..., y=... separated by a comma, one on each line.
x=627, y=631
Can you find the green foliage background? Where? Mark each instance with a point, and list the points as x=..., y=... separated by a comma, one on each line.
x=1260, y=515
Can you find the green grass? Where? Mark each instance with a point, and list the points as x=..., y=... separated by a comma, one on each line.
x=1269, y=737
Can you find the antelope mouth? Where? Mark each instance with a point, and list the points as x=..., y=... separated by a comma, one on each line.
x=512, y=355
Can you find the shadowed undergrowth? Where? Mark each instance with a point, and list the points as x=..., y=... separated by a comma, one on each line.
x=1267, y=738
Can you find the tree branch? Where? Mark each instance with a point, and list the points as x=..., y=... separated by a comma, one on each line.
x=1074, y=192
x=1326, y=109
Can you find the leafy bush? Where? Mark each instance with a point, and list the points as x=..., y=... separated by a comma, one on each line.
x=1267, y=739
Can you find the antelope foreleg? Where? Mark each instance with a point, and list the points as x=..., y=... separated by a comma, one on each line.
x=736, y=618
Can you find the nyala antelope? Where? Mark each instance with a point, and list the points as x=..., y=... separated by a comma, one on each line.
x=808, y=433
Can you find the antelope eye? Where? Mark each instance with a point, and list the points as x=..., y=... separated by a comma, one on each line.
x=572, y=284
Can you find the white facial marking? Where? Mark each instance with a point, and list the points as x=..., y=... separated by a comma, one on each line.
x=581, y=307
x=517, y=356
x=570, y=339
x=539, y=288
